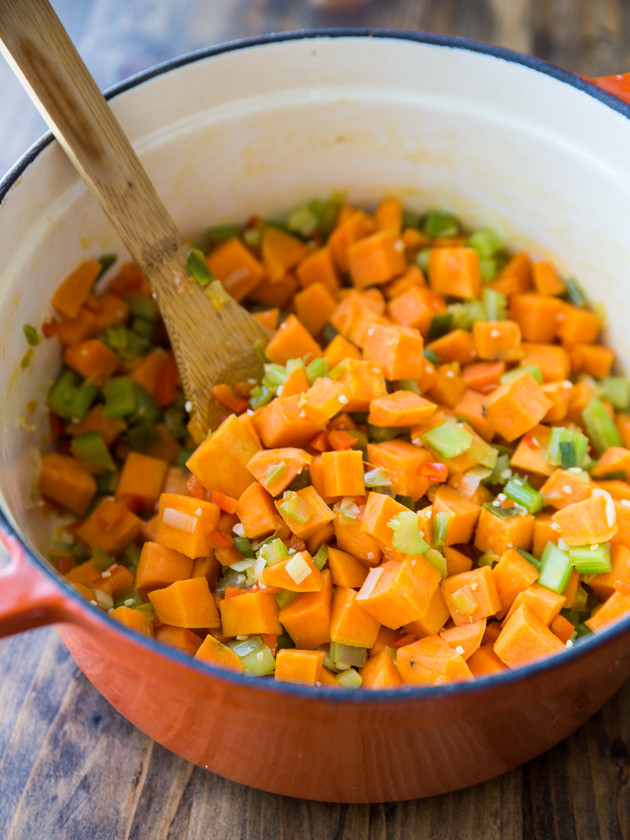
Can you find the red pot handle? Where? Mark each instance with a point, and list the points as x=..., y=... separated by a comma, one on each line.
x=619, y=85
x=28, y=598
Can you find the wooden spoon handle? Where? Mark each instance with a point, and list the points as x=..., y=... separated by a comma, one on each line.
x=42, y=55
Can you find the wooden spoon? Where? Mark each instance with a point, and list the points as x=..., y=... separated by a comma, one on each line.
x=211, y=345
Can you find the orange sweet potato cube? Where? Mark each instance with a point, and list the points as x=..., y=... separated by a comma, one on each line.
x=301, y=666
x=186, y=524
x=471, y=596
x=283, y=422
x=497, y=534
x=403, y=462
x=253, y=612
x=398, y=350
x=455, y=272
x=380, y=510
x=141, y=481
x=462, y=511
x=350, y=624
x=307, y=617
x=257, y=512
x=343, y=473
x=364, y=382
x=397, y=592
x=220, y=462
x=517, y=406
x=235, y=267
x=304, y=511
x=186, y=603
x=431, y=661
x=112, y=527
x=314, y=305
x=377, y=258
x=292, y=341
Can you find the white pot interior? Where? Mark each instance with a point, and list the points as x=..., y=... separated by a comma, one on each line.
x=259, y=129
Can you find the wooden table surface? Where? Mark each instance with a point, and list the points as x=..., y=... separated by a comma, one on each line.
x=71, y=768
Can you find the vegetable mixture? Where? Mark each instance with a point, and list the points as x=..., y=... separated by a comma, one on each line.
x=429, y=483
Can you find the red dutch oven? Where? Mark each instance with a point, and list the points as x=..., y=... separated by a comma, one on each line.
x=501, y=139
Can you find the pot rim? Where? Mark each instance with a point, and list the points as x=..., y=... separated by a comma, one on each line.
x=403, y=693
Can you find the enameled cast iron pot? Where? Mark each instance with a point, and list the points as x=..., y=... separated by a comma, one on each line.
x=499, y=138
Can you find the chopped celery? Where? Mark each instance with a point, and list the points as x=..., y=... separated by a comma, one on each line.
x=198, y=266
x=440, y=325
x=69, y=398
x=489, y=268
x=575, y=293
x=533, y=370
x=582, y=630
x=284, y=641
x=495, y=304
x=274, y=551
x=127, y=344
x=106, y=482
x=301, y=480
x=616, y=390
x=252, y=236
x=221, y=233
x=591, y=559
x=294, y=508
x=431, y=356
x=329, y=332
x=326, y=211
x=486, y=242
x=448, y=440
x=555, y=568
x=488, y=558
x=142, y=306
x=303, y=222
x=350, y=679
x=145, y=411
x=131, y=556
x=377, y=478
x=284, y=598
x=501, y=512
x=361, y=438
x=501, y=471
x=521, y=492
x=276, y=472
x=600, y=426
x=242, y=565
x=466, y=314
x=379, y=434
x=409, y=385
x=316, y=368
x=143, y=328
x=529, y=557
x=106, y=260
x=422, y=259
x=102, y=560
x=243, y=545
x=437, y=223
x=131, y=600
x=321, y=556
x=218, y=297
x=141, y=435
x=485, y=454
x=183, y=456
x=259, y=396
x=32, y=336
x=91, y=450
x=566, y=456
x=274, y=376
x=407, y=501
x=292, y=365
x=407, y=537
x=255, y=655
x=441, y=522
x=347, y=655
x=175, y=421
x=437, y=559
x=348, y=508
